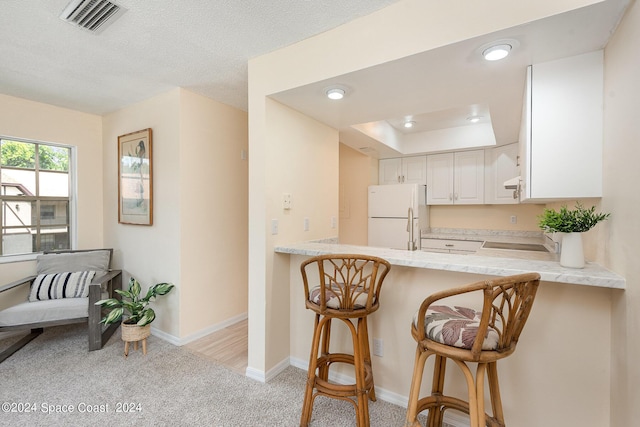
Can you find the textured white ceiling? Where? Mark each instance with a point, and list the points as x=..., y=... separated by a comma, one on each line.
x=200, y=45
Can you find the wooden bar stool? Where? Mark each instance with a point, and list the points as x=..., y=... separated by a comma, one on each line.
x=465, y=335
x=348, y=289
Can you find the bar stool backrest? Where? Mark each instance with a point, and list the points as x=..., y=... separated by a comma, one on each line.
x=344, y=282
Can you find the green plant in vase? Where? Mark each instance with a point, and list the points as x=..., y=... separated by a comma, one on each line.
x=135, y=307
x=572, y=223
x=137, y=325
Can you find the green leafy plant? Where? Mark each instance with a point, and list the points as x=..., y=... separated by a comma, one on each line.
x=137, y=308
x=569, y=221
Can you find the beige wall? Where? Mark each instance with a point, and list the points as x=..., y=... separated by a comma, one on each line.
x=486, y=217
x=621, y=234
x=198, y=237
x=303, y=161
x=355, y=177
x=213, y=213
x=150, y=254
x=41, y=122
x=362, y=43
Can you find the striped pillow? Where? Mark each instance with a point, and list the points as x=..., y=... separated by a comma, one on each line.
x=61, y=285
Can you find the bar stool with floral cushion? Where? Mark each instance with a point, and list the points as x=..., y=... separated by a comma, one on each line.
x=465, y=336
x=345, y=288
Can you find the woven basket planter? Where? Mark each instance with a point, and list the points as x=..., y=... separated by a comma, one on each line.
x=133, y=333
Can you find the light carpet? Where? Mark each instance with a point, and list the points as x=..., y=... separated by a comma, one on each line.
x=169, y=386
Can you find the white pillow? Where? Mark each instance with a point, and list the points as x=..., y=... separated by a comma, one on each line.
x=61, y=285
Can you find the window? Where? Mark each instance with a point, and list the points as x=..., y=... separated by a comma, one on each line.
x=35, y=182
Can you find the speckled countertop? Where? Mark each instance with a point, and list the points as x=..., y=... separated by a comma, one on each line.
x=495, y=262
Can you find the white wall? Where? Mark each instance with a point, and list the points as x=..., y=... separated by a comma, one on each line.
x=621, y=234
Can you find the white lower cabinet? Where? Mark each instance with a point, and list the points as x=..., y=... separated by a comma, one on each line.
x=450, y=245
x=455, y=178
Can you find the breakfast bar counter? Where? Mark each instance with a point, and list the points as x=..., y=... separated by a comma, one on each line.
x=550, y=367
x=491, y=262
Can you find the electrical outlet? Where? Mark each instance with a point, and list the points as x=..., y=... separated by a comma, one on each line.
x=274, y=226
x=378, y=347
x=286, y=201
x=334, y=222
x=306, y=224
x=514, y=219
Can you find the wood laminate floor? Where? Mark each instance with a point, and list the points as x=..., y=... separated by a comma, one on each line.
x=228, y=346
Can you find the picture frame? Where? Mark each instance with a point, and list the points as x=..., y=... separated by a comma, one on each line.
x=135, y=178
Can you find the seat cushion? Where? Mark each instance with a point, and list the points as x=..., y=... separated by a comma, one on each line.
x=456, y=326
x=45, y=311
x=335, y=294
x=61, y=285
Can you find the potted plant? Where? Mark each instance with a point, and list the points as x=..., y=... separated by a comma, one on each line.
x=137, y=325
x=572, y=223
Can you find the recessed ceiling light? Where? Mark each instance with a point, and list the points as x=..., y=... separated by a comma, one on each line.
x=335, y=93
x=409, y=124
x=497, y=52
x=474, y=119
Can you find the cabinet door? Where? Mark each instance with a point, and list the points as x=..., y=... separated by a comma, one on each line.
x=566, y=128
x=389, y=171
x=469, y=177
x=440, y=179
x=414, y=170
x=501, y=164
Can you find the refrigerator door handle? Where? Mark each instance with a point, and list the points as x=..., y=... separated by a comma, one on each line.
x=411, y=245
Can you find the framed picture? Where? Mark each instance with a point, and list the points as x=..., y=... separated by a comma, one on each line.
x=135, y=178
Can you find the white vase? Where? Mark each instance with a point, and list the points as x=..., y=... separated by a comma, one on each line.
x=572, y=253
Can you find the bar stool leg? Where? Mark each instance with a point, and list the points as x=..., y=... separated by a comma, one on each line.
x=362, y=398
x=323, y=370
x=364, y=342
x=472, y=393
x=494, y=392
x=414, y=393
x=307, y=404
x=436, y=413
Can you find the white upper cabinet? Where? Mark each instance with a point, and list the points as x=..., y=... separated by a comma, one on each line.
x=561, y=130
x=501, y=164
x=403, y=170
x=455, y=178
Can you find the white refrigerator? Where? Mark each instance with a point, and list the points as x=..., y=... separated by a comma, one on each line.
x=396, y=214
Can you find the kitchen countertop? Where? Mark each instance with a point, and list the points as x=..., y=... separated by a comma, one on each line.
x=493, y=262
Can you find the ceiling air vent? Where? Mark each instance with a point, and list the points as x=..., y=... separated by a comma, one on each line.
x=92, y=15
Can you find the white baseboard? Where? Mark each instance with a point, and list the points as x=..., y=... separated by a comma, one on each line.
x=171, y=339
x=261, y=376
x=197, y=335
